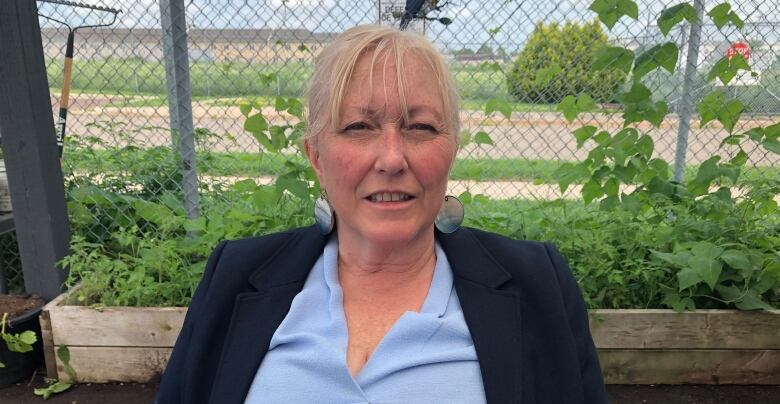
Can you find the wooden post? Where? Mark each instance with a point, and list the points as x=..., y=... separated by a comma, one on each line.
x=30, y=150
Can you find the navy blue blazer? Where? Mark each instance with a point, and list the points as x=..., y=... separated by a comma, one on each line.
x=521, y=303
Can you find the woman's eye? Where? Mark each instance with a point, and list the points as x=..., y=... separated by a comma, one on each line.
x=425, y=127
x=356, y=126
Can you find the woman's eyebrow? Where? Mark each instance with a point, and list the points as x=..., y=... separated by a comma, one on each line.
x=420, y=109
x=362, y=110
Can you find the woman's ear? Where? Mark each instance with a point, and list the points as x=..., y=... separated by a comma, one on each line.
x=313, y=155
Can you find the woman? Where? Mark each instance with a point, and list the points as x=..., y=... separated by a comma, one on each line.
x=385, y=300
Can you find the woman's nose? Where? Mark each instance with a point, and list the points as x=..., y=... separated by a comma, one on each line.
x=390, y=152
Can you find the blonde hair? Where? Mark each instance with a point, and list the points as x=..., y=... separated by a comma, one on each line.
x=335, y=64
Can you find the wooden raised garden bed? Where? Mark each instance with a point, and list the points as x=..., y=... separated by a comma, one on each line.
x=128, y=344
x=635, y=346
x=701, y=347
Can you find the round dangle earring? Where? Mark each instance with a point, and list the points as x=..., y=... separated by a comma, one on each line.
x=450, y=215
x=324, y=216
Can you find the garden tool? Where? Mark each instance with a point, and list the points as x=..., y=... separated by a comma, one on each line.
x=66, y=75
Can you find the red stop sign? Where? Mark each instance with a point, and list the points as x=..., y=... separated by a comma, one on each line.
x=738, y=47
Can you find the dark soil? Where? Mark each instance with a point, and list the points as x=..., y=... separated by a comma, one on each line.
x=134, y=393
x=15, y=305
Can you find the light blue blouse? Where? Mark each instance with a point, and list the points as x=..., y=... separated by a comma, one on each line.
x=426, y=357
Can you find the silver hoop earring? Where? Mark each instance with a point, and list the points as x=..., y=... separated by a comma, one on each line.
x=450, y=215
x=324, y=216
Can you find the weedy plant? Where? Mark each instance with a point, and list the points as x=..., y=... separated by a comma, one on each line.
x=20, y=342
x=706, y=243
x=129, y=250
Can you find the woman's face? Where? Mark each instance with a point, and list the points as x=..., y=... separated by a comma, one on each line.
x=386, y=177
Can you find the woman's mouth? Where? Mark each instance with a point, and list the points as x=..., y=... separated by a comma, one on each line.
x=389, y=197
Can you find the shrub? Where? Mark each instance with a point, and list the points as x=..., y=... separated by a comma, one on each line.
x=568, y=51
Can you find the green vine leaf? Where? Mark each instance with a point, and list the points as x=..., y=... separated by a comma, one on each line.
x=662, y=55
x=737, y=260
x=482, y=137
x=772, y=132
x=710, y=105
x=638, y=93
x=613, y=57
x=543, y=76
x=495, y=104
x=22, y=342
x=64, y=354
x=245, y=107
x=674, y=15
x=54, y=388
x=734, y=140
x=571, y=106
x=568, y=174
x=729, y=114
x=610, y=11
x=739, y=159
x=267, y=79
x=771, y=145
x=255, y=123
x=714, y=106
x=726, y=69
x=722, y=15
x=465, y=138
x=688, y=277
x=653, y=112
x=706, y=263
x=708, y=171
x=753, y=301
x=591, y=190
x=583, y=134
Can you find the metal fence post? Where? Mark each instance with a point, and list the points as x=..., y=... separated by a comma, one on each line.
x=177, y=73
x=686, y=103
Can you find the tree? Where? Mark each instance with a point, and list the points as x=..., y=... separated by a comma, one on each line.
x=485, y=49
x=565, y=52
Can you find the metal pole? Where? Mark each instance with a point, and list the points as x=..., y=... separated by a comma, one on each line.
x=177, y=73
x=686, y=104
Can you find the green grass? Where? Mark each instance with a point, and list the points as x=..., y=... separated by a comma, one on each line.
x=135, y=76
x=254, y=164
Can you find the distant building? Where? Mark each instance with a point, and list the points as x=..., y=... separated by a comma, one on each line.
x=213, y=45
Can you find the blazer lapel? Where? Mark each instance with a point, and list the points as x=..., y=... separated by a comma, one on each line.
x=492, y=315
x=257, y=315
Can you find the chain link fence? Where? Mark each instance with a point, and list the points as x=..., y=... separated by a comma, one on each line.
x=120, y=141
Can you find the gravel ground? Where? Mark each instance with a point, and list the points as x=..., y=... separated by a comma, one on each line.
x=132, y=393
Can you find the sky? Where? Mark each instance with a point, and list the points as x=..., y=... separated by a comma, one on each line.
x=511, y=20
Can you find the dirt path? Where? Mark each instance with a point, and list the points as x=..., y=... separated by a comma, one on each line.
x=531, y=135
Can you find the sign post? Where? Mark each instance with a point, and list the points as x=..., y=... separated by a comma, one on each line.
x=738, y=48
x=391, y=11
x=743, y=78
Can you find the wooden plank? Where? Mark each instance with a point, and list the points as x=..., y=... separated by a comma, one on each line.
x=703, y=329
x=49, y=353
x=690, y=366
x=30, y=151
x=115, y=364
x=48, y=345
x=117, y=326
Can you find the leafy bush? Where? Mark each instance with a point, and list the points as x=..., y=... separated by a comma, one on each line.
x=134, y=245
x=719, y=244
x=152, y=255
x=557, y=60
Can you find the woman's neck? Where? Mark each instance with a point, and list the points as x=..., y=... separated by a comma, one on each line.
x=381, y=269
